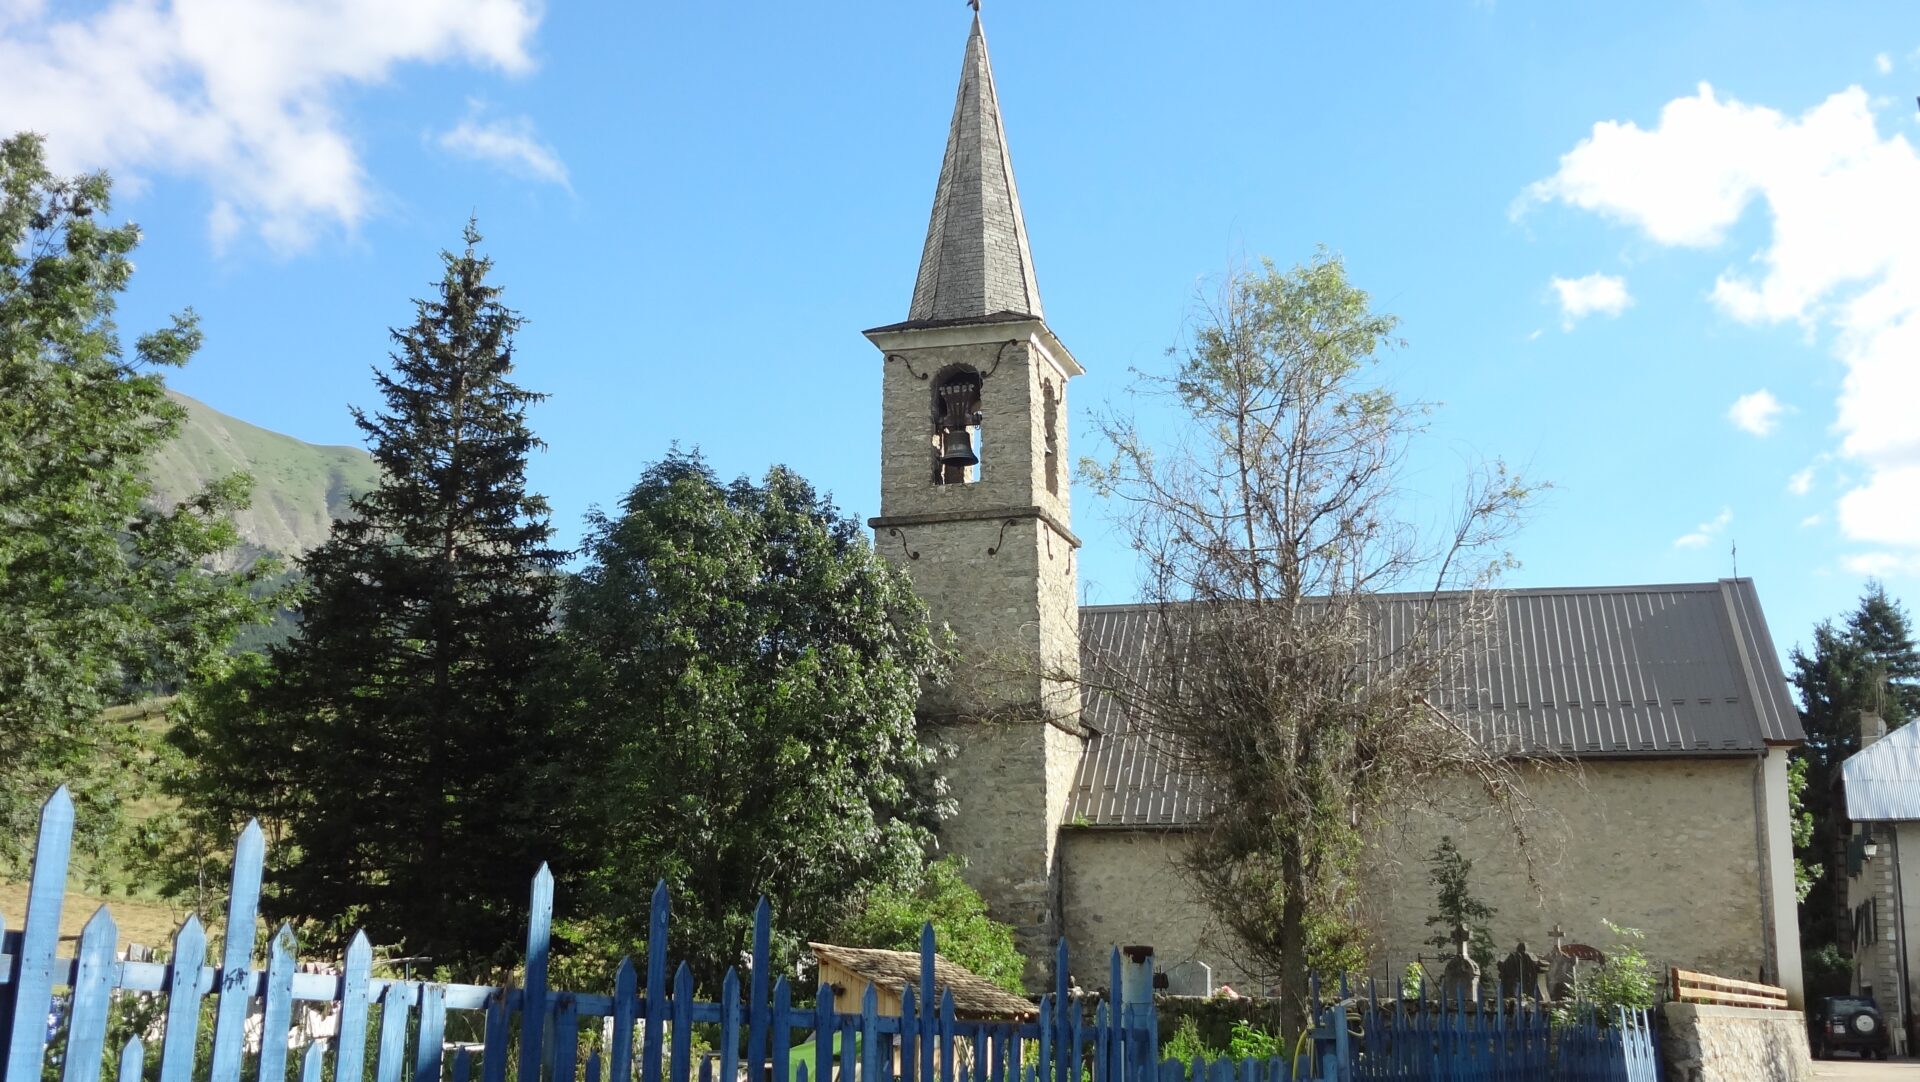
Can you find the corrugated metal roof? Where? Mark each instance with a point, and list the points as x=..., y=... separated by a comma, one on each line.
x=1882, y=780
x=1649, y=671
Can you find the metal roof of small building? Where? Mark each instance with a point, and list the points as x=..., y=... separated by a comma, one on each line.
x=1882, y=780
x=974, y=996
x=1602, y=672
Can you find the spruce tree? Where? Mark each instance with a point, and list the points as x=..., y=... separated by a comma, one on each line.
x=1868, y=662
x=408, y=692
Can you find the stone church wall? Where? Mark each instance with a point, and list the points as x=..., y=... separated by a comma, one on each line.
x=1671, y=847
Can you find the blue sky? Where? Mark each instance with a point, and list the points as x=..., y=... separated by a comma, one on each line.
x=1663, y=255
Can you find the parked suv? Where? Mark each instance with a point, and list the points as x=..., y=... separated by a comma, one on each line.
x=1851, y=1023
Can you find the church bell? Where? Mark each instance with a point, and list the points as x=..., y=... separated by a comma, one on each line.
x=956, y=448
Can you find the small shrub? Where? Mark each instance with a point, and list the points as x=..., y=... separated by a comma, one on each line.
x=1251, y=1042
x=1186, y=1045
x=1627, y=979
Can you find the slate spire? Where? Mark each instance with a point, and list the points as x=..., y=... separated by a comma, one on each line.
x=976, y=261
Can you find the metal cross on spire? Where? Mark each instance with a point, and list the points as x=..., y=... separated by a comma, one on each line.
x=975, y=5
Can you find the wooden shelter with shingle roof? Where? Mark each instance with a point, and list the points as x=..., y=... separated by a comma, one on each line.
x=849, y=970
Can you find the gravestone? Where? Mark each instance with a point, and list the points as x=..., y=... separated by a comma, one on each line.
x=1460, y=980
x=1520, y=973
x=1190, y=978
x=1563, y=969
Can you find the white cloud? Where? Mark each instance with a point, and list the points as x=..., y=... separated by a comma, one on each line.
x=1758, y=413
x=509, y=143
x=1880, y=565
x=1841, y=256
x=1883, y=64
x=1801, y=482
x=1581, y=297
x=1706, y=531
x=1814, y=519
x=238, y=94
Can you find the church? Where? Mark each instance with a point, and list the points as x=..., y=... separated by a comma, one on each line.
x=1669, y=701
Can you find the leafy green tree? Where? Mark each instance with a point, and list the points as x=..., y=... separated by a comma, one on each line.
x=103, y=597
x=892, y=913
x=397, y=741
x=1455, y=904
x=742, y=714
x=1266, y=533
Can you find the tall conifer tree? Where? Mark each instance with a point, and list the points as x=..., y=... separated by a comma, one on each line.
x=408, y=690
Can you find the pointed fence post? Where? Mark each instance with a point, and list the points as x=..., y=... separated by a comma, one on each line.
x=870, y=1035
x=681, y=1067
x=656, y=1004
x=565, y=1050
x=533, y=1002
x=32, y=978
x=133, y=1060
x=782, y=1031
x=276, y=1018
x=823, y=1033
x=183, y=1002
x=730, y=1026
x=625, y=1005
x=909, y=1033
x=236, y=957
x=92, y=995
x=350, y=1053
x=757, y=990
x=930, y=1025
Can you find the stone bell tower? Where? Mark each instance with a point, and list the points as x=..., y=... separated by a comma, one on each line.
x=973, y=504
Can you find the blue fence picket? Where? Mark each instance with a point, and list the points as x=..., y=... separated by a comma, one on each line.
x=183, y=1002
x=533, y=996
x=625, y=1008
x=312, y=1064
x=566, y=1036
x=92, y=994
x=350, y=1057
x=395, y=1004
x=682, y=1065
x=757, y=986
x=823, y=1034
x=276, y=1017
x=462, y=1065
x=133, y=1060
x=946, y=1033
x=782, y=1031
x=32, y=976
x=593, y=1066
x=929, y=1006
x=427, y=1049
x=870, y=1035
x=909, y=1035
x=236, y=957
x=730, y=1025
x=656, y=1011
x=493, y=1063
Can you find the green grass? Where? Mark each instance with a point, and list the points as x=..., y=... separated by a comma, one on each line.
x=803, y=1053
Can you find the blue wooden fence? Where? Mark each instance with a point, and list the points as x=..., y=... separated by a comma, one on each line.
x=1505, y=1040
x=388, y=1030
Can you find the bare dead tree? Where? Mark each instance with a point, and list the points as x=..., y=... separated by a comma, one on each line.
x=1307, y=624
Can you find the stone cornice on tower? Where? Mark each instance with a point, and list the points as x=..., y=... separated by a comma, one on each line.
x=976, y=262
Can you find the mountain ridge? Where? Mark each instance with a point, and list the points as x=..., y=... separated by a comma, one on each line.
x=299, y=488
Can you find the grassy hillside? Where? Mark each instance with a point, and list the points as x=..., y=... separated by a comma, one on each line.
x=299, y=488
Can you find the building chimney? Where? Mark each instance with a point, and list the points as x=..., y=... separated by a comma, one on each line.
x=1872, y=728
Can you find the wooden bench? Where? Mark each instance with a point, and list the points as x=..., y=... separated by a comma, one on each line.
x=1686, y=986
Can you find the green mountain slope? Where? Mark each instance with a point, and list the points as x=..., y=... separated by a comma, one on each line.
x=299, y=488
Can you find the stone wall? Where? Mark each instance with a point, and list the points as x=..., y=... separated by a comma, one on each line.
x=1669, y=847
x=1705, y=1043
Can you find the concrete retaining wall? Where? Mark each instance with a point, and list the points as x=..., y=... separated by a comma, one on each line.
x=1705, y=1043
